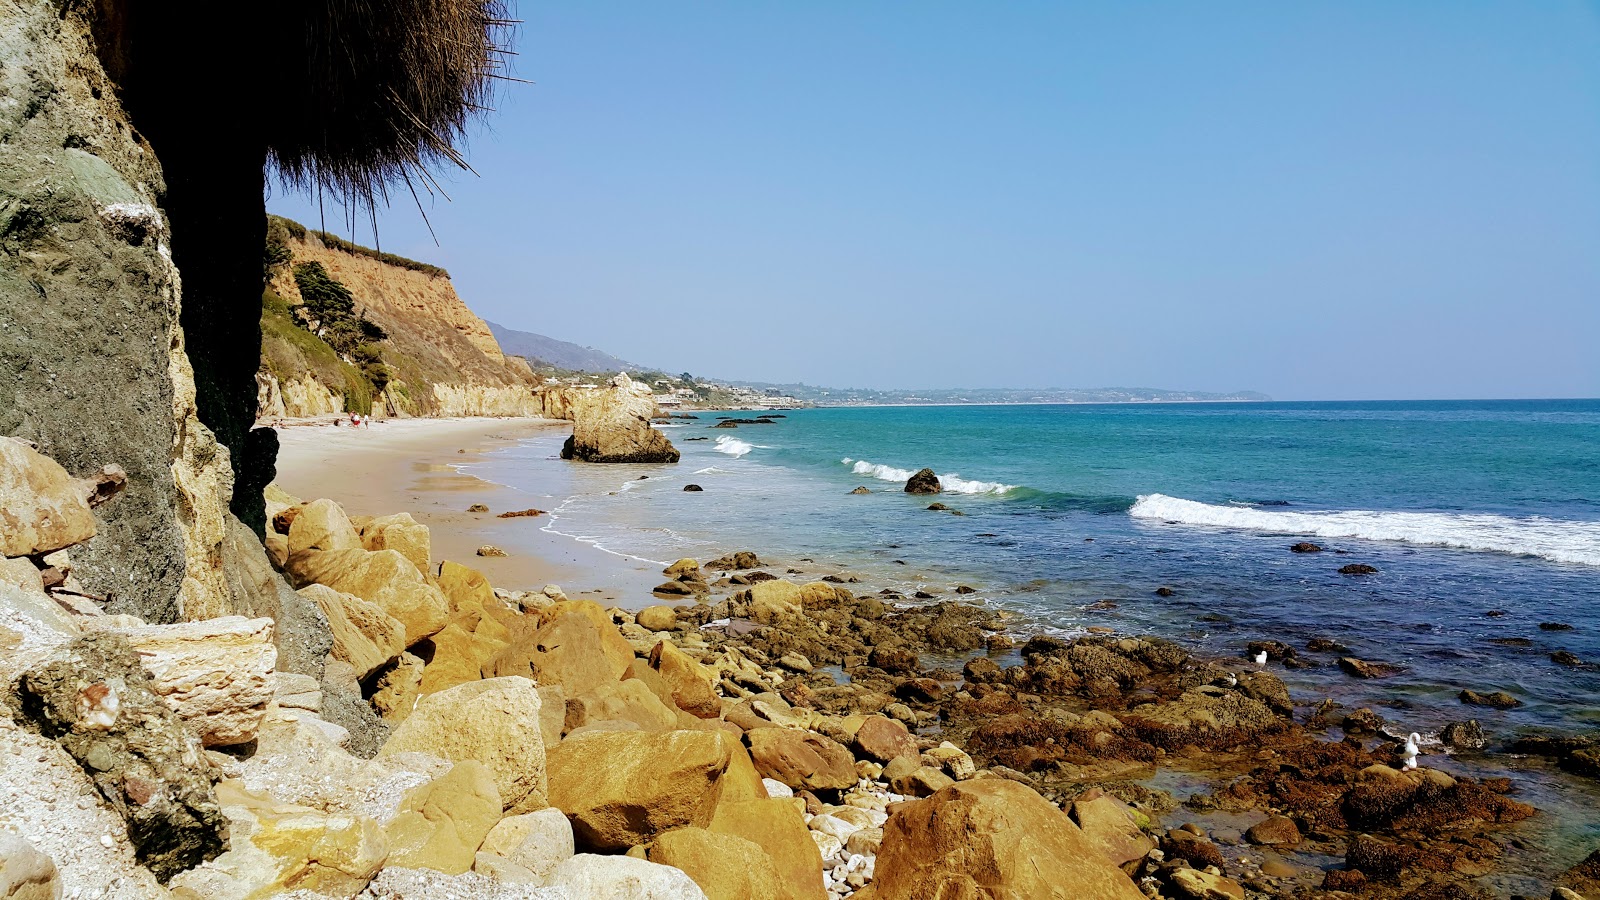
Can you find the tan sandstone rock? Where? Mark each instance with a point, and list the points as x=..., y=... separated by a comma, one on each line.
x=538, y=841
x=496, y=722
x=776, y=825
x=402, y=534
x=459, y=656
x=25, y=872
x=622, y=788
x=322, y=525
x=42, y=508
x=217, y=675
x=692, y=685
x=657, y=618
x=801, y=759
x=274, y=847
x=612, y=424
x=364, y=635
x=1109, y=825
x=725, y=866
x=883, y=739
x=595, y=877
x=774, y=600
x=396, y=689
x=991, y=837
x=381, y=577
x=570, y=649
x=620, y=701
x=442, y=823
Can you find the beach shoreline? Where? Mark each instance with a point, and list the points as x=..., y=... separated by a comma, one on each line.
x=416, y=466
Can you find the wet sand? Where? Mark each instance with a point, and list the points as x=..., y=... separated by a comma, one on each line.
x=412, y=465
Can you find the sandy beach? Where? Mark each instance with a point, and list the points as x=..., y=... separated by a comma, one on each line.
x=414, y=465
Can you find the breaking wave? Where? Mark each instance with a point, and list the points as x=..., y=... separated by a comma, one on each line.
x=1558, y=540
x=952, y=483
x=733, y=446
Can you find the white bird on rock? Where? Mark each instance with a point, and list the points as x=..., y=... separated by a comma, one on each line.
x=1261, y=658
x=1410, y=751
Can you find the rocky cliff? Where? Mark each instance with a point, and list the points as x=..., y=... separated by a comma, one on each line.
x=442, y=359
x=92, y=362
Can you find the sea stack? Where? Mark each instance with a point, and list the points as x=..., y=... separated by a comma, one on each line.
x=924, y=482
x=612, y=425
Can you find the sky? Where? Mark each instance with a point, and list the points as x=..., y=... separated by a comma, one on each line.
x=1319, y=200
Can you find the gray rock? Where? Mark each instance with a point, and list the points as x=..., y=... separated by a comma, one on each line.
x=96, y=701
x=88, y=303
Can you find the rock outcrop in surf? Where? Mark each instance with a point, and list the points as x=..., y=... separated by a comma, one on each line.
x=924, y=482
x=612, y=425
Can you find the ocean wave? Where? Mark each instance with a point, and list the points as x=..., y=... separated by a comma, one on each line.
x=733, y=446
x=711, y=470
x=952, y=483
x=1558, y=540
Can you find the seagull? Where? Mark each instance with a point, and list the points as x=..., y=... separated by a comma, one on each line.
x=1409, y=753
x=1261, y=658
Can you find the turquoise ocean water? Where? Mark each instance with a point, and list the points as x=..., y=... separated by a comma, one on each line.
x=1465, y=508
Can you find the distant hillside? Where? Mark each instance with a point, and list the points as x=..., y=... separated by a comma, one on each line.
x=379, y=334
x=561, y=354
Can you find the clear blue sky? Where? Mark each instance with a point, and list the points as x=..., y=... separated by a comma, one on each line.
x=1316, y=200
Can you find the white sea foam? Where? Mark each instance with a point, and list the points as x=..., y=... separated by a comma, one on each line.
x=711, y=470
x=952, y=483
x=733, y=446
x=1558, y=540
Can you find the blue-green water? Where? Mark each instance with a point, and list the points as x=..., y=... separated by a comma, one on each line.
x=1463, y=507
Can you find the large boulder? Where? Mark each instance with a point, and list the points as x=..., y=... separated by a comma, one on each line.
x=460, y=656
x=538, y=841
x=692, y=684
x=322, y=525
x=42, y=508
x=883, y=739
x=277, y=847
x=924, y=482
x=1108, y=824
x=802, y=760
x=776, y=825
x=100, y=705
x=442, y=823
x=613, y=702
x=622, y=788
x=402, y=534
x=496, y=722
x=364, y=635
x=612, y=425
x=381, y=577
x=217, y=675
x=773, y=600
x=725, y=866
x=576, y=646
x=595, y=877
x=992, y=837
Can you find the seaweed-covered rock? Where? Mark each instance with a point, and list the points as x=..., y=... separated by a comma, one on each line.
x=98, y=702
x=924, y=482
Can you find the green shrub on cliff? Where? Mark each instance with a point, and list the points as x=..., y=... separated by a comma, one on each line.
x=289, y=350
x=324, y=299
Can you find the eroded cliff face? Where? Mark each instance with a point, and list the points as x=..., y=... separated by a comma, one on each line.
x=445, y=361
x=92, y=362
